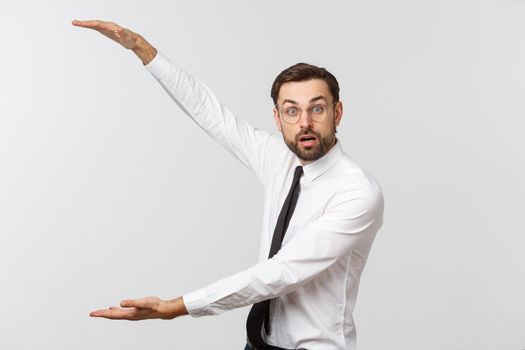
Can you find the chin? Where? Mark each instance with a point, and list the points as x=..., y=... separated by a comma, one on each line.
x=309, y=154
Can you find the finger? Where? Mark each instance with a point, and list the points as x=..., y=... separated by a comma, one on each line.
x=144, y=303
x=84, y=23
x=94, y=24
x=115, y=313
x=118, y=31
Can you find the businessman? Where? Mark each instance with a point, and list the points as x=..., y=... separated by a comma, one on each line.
x=321, y=214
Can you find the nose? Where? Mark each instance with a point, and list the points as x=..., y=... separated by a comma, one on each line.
x=305, y=122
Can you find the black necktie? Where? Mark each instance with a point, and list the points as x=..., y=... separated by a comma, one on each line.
x=260, y=312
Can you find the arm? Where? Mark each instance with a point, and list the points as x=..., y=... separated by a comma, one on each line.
x=352, y=217
x=249, y=145
x=256, y=149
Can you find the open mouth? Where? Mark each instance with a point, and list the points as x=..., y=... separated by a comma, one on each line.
x=307, y=140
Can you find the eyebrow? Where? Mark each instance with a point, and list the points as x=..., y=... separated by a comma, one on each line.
x=320, y=97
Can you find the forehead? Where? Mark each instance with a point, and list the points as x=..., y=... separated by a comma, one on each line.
x=303, y=91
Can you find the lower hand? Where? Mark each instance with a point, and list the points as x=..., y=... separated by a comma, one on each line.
x=143, y=309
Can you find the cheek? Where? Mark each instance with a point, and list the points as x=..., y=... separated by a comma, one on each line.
x=288, y=133
x=328, y=129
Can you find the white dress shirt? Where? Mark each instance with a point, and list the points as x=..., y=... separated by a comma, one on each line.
x=315, y=275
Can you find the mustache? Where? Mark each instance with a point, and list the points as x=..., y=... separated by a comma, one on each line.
x=307, y=132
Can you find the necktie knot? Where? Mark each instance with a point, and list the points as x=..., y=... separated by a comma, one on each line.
x=298, y=172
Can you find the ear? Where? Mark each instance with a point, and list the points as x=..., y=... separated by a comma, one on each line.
x=277, y=119
x=338, y=112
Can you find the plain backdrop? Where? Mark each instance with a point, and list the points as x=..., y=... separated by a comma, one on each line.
x=108, y=191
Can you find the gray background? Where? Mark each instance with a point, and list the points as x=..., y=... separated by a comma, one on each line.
x=108, y=191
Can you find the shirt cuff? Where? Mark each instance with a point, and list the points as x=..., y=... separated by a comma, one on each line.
x=160, y=66
x=196, y=302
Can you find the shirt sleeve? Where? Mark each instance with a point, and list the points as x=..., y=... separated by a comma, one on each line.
x=248, y=144
x=351, y=217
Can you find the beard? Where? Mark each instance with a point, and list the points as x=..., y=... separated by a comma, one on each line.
x=314, y=152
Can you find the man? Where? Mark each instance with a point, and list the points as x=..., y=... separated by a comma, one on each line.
x=322, y=210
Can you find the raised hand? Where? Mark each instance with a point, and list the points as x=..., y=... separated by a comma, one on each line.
x=123, y=36
x=143, y=309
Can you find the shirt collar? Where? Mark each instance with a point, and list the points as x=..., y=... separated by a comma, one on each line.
x=316, y=168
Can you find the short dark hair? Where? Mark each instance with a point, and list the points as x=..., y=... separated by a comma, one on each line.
x=304, y=72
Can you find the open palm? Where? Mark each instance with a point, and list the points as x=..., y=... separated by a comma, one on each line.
x=139, y=309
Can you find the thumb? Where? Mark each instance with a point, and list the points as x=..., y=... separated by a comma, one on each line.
x=144, y=303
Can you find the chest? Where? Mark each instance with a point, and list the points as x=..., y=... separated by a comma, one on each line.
x=312, y=201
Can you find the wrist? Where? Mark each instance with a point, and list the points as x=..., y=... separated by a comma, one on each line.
x=175, y=308
x=144, y=50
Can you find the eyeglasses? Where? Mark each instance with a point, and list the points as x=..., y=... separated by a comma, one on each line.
x=292, y=114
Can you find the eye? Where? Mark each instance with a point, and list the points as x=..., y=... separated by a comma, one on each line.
x=292, y=111
x=318, y=109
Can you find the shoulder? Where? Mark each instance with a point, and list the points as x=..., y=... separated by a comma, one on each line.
x=356, y=187
x=350, y=174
